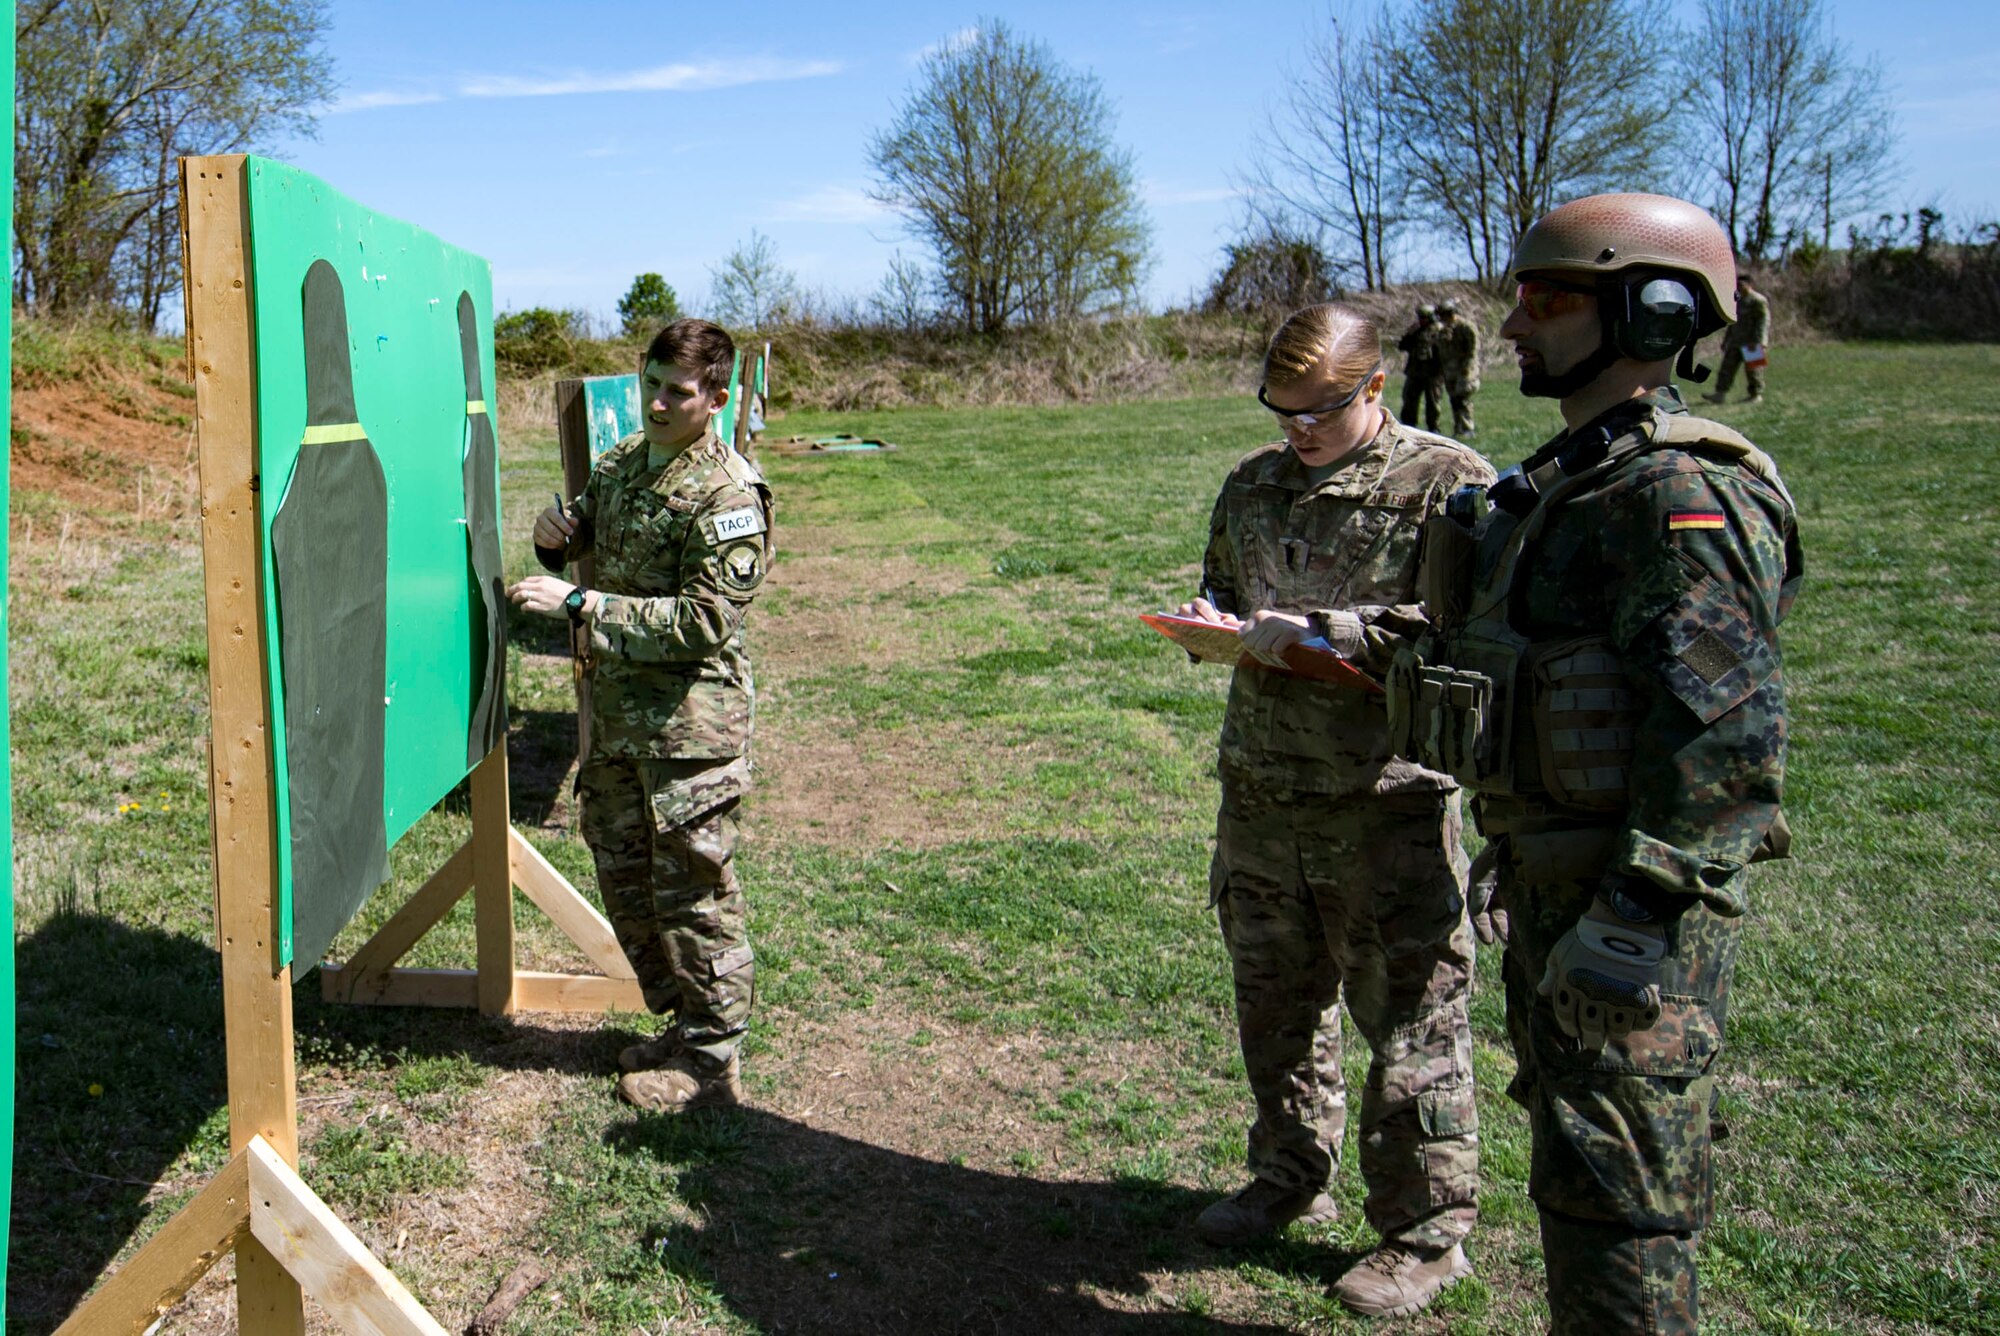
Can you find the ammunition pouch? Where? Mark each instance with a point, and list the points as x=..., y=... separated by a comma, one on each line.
x=1551, y=722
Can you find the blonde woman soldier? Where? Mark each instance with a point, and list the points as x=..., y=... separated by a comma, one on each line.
x=1337, y=866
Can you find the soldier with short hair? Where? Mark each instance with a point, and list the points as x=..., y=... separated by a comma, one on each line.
x=1458, y=356
x=1337, y=872
x=681, y=528
x=1744, y=343
x=1603, y=671
x=1423, y=373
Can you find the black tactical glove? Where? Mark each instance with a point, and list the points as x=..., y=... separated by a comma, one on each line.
x=1603, y=978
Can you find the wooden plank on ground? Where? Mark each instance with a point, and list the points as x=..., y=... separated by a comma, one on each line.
x=256, y=987
x=493, y=882
x=566, y=908
x=323, y=1255
x=533, y=991
x=575, y=992
x=154, y=1278
x=393, y=940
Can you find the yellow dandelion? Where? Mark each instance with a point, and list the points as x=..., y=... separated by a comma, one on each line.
x=96, y=1089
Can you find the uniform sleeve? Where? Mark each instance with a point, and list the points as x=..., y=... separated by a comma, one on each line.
x=1218, y=561
x=1371, y=633
x=724, y=560
x=1705, y=564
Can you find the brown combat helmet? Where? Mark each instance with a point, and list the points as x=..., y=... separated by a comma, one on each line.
x=1606, y=234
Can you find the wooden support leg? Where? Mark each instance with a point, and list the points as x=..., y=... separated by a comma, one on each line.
x=323, y=1255
x=493, y=883
x=156, y=1276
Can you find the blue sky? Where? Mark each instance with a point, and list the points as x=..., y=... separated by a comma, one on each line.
x=578, y=145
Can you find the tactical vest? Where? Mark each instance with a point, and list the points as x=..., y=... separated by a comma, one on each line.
x=1543, y=730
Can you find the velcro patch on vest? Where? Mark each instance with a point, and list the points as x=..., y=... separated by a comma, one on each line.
x=742, y=522
x=1695, y=519
x=1709, y=657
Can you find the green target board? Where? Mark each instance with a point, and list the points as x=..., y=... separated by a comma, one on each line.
x=377, y=486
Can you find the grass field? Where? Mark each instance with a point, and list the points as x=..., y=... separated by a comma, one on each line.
x=993, y=1073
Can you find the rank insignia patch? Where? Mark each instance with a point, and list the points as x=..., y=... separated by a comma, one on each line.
x=1694, y=519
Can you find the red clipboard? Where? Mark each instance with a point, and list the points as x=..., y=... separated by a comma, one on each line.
x=1218, y=644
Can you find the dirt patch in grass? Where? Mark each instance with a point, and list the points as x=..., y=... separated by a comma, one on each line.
x=449, y=1247
x=902, y=1175
x=904, y=788
x=125, y=450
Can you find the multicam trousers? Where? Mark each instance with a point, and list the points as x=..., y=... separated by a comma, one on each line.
x=1424, y=389
x=671, y=893
x=1362, y=895
x=1732, y=362
x=1621, y=1167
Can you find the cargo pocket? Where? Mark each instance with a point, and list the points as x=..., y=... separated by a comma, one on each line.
x=1623, y=1134
x=730, y=961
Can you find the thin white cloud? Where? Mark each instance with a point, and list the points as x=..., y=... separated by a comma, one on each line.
x=958, y=41
x=1163, y=196
x=681, y=77
x=831, y=204
x=381, y=98
x=676, y=78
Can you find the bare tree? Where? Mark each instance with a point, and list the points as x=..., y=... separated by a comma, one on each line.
x=1794, y=132
x=1002, y=160
x=1503, y=110
x=1327, y=157
x=750, y=289
x=107, y=94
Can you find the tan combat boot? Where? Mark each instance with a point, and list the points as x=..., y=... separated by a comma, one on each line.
x=681, y=1085
x=1259, y=1211
x=1397, y=1280
x=647, y=1054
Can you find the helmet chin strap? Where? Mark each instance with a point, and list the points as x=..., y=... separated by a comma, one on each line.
x=1687, y=370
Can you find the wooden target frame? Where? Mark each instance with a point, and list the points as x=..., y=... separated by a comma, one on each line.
x=287, y=1242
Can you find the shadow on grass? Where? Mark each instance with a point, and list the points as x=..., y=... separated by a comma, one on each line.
x=120, y=1072
x=805, y=1230
x=541, y=750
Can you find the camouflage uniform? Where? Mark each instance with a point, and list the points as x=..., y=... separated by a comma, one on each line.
x=1337, y=866
x=1458, y=350
x=1422, y=372
x=1669, y=541
x=1751, y=330
x=681, y=548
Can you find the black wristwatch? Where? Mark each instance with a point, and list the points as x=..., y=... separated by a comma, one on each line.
x=574, y=603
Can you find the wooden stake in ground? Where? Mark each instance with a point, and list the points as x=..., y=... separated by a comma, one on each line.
x=523, y=1281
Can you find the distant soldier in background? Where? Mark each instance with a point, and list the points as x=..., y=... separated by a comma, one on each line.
x=1337, y=873
x=1458, y=350
x=1744, y=343
x=1423, y=373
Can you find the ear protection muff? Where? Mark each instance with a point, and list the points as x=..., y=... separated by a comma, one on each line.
x=1655, y=318
x=1649, y=319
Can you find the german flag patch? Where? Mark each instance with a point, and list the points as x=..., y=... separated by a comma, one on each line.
x=1694, y=519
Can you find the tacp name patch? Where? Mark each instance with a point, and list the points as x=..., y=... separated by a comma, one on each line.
x=742, y=522
x=1695, y=519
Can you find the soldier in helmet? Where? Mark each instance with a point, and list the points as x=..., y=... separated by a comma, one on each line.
x=1458, y=354
x=1744, y=343
x=1603, y=671
x=1423, y=373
